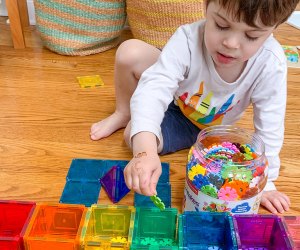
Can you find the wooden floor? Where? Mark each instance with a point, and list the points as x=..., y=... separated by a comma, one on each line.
x=45, y=118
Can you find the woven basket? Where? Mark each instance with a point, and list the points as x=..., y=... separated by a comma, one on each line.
x=80, y=27
x=154, y=21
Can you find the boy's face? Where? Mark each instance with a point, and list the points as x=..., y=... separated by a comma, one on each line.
x=229, y=42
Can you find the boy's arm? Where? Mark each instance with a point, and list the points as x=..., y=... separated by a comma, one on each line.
x=158, y=85
x=148, y=104
x=269, y=105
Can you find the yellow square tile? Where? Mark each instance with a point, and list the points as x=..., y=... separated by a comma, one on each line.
x=90, y=81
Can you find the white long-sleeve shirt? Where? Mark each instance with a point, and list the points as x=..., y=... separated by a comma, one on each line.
x=185, y=72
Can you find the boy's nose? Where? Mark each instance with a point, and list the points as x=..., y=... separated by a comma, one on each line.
x=231, y=42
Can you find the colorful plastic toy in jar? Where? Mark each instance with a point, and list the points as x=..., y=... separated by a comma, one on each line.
x=226, y=171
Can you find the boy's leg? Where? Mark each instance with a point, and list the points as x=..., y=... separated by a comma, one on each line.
x=133, y=57
x=177, y=131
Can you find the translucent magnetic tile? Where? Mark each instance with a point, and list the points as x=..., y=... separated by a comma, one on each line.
x=260, y=231
x=104, y=223
x=110, y=163
x=56, y=221
x=163, y=192
x=200, y=230
x=110, y=221
x=14, y=217
x=293, y=226
x=156, y=227
x=114, y=184
x=152, y=222
x=165, y=175
x=87, y=169
x=76, y=192
x=90, y=81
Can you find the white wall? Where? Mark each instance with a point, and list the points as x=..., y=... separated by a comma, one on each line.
x=30, y=7
x=3, y=11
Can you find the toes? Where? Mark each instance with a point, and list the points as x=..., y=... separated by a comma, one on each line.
x=96, y=130
x=97, y=135
x=93, y=137
x=94, y=127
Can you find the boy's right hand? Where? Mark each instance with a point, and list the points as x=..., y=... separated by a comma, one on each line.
x=275, y=201
x=142, y=173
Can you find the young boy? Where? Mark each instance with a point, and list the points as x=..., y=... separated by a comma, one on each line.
x=226, y=61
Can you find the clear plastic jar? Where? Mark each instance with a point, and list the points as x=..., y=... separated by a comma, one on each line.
x=226, y=171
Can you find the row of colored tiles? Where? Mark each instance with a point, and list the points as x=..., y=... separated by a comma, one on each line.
x=26, y=225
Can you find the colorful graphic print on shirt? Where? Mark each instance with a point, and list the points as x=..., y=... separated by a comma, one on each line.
x=198, y=115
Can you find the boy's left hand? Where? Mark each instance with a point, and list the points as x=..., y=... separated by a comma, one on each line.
x=275, y=201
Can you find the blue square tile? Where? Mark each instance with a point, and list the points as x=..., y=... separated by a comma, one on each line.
x=165, y=175
x=87, y=169
x=206, y=230
x=79, y=192
x=163, y=192
x=110, y=163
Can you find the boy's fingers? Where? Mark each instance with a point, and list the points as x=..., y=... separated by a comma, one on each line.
x=154, y=181
x=286, y=198
x=135, y=183
x=268, y=205
x=127, y=177
x=144, y=183
x=277, y=204
x=153, y=188
x=135, y=170
x=284, y=203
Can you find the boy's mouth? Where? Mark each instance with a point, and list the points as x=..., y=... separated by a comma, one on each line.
x=222, y=58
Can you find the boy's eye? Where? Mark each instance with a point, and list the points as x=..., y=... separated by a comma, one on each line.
x=250, y=38
x=220, y=27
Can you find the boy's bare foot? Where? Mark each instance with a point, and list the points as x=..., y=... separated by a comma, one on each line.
x=108, y=126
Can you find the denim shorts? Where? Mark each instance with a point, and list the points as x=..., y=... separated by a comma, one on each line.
x=178, y=132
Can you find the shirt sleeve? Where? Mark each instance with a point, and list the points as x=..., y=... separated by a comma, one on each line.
x=269, y=105
x=158, y=85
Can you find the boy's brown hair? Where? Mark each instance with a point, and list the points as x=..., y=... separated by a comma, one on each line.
x=269, y=12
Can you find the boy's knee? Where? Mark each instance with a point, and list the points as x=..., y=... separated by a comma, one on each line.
x=129, y=53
